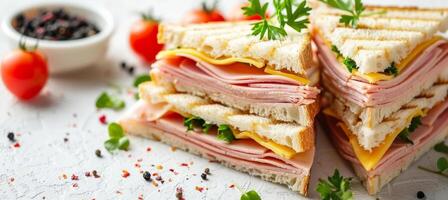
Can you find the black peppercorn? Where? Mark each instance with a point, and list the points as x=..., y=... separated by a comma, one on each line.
x=98, y=153
x=420, y=195
x=207, y=171
x=11, y=137
x=147, y=176
x=123, y=65
x=204, y=176
x=131, y=70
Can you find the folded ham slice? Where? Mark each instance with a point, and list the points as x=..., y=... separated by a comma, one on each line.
x=423, y=70
x=243, y=153
x=238, y=80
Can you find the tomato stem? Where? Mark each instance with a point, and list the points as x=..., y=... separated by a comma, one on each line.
x=149, y=16
x=24, y=47
x=210, y=9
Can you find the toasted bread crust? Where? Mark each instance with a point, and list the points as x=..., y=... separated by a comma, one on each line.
x=294, y=181
x=172, y=36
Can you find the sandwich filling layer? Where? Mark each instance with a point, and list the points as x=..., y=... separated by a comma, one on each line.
x=241, y=86
x=241, y=152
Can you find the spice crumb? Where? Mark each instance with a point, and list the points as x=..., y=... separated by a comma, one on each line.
x=74, y=177
x=65, y=139
x=75, y=185
x=11, y=137
x=179, y=193
x=204, y=176
x=159, y=167
x=173, y=149
x=17, y=145
x=95, y=174
x=87, y=174
x=184, y=164
x=148, y=149
x=98, y=153
x=102, y=119
x=125, y=174
x=207, y=171
x=200, y=189
x=147, y=176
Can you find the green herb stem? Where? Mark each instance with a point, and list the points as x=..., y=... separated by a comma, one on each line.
x=433, y=171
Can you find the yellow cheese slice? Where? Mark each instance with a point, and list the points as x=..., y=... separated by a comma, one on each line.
x=278, y=149
x=207, y=58
x=299, y=79
x=373, y=77
x=416, y=52
x=369, y=159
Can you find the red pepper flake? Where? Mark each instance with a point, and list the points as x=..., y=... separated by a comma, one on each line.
x=174, y=172
x=231, y=185
x=140, y=160
x=118, y=192
x=125, y=174
x=11, y=179
x=140, y=197
x=17, y=145
x=102, y=119
x=148, y=149
x=184, y=164
x=64, y=176
x=137, y=165
x=75, y=185
x=74, y=177
x=179, y=193
x=87, y=174
x=200, y=189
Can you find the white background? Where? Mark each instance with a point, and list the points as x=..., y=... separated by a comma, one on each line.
x=66, y=109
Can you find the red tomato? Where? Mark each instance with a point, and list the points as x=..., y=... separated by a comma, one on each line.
x=204, y=15
x=24, y=73
x=237, y=14
x=143, y=39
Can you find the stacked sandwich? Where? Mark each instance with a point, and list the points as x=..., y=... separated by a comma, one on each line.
x=246, y=102
x=386, y=84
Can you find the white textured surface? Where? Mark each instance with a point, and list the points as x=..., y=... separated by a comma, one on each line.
x=66, y=109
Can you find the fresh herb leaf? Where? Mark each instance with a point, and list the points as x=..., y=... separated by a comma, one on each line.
x=353, y=11
x=286, y=12
x=123, y=143
x=404, y=134
x=250, y=195
x=106, y=100
x=111, y=144
x=137, y=96
x=193, y=122
x=391, y=70
x=116, y=140
x=336, y=188
x=115, y=130
x=350, y=64
x=206, y=127
x=141, y=78
x=225, y=133
x=336, y=50
x=442, y=164
x=441, y=147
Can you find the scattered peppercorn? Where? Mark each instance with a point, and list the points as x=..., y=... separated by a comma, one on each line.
x=95, y=174
x=131, y=70
x=98, y=153
x=420, y=195
x=207, y=171
x=56, y=24
x=87, y=174
x=123, y=65
x=11, y=137
x=179, y=193
x=204, y=176
x=147, y=176
x=65, y=139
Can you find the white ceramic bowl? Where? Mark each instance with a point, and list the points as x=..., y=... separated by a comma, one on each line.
x=65, y=56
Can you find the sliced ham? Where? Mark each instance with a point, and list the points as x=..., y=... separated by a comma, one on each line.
x=433, y=126
x=424, y=69
x=244, y=151
x=239, y=80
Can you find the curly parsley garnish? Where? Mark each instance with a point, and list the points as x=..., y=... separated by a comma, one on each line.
x=404, y=134
x=354, y=11
x=350, y=64
x=287, y=12
x=225, y=133
x=391, y=70
x=193, y=122
x=106, y=100
x=336, y=188
x=116, y=140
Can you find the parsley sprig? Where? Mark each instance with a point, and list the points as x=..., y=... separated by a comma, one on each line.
x=404, y=134
x=392, y=70
x=287, y=12
x=225, y=133
x=353, y=11
x=106, y=100
x=117, y=139
x=336, y=188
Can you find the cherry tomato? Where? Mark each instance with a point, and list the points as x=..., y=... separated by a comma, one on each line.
x=143, y=39
x=237, y=14
x=203, y=15
x=24, y=73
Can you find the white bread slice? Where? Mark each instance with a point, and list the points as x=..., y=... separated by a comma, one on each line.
x=234, y=39
x=371, y=136
x=296, y=182
x=288, y=112
x=387, y=37
x=299, y=138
